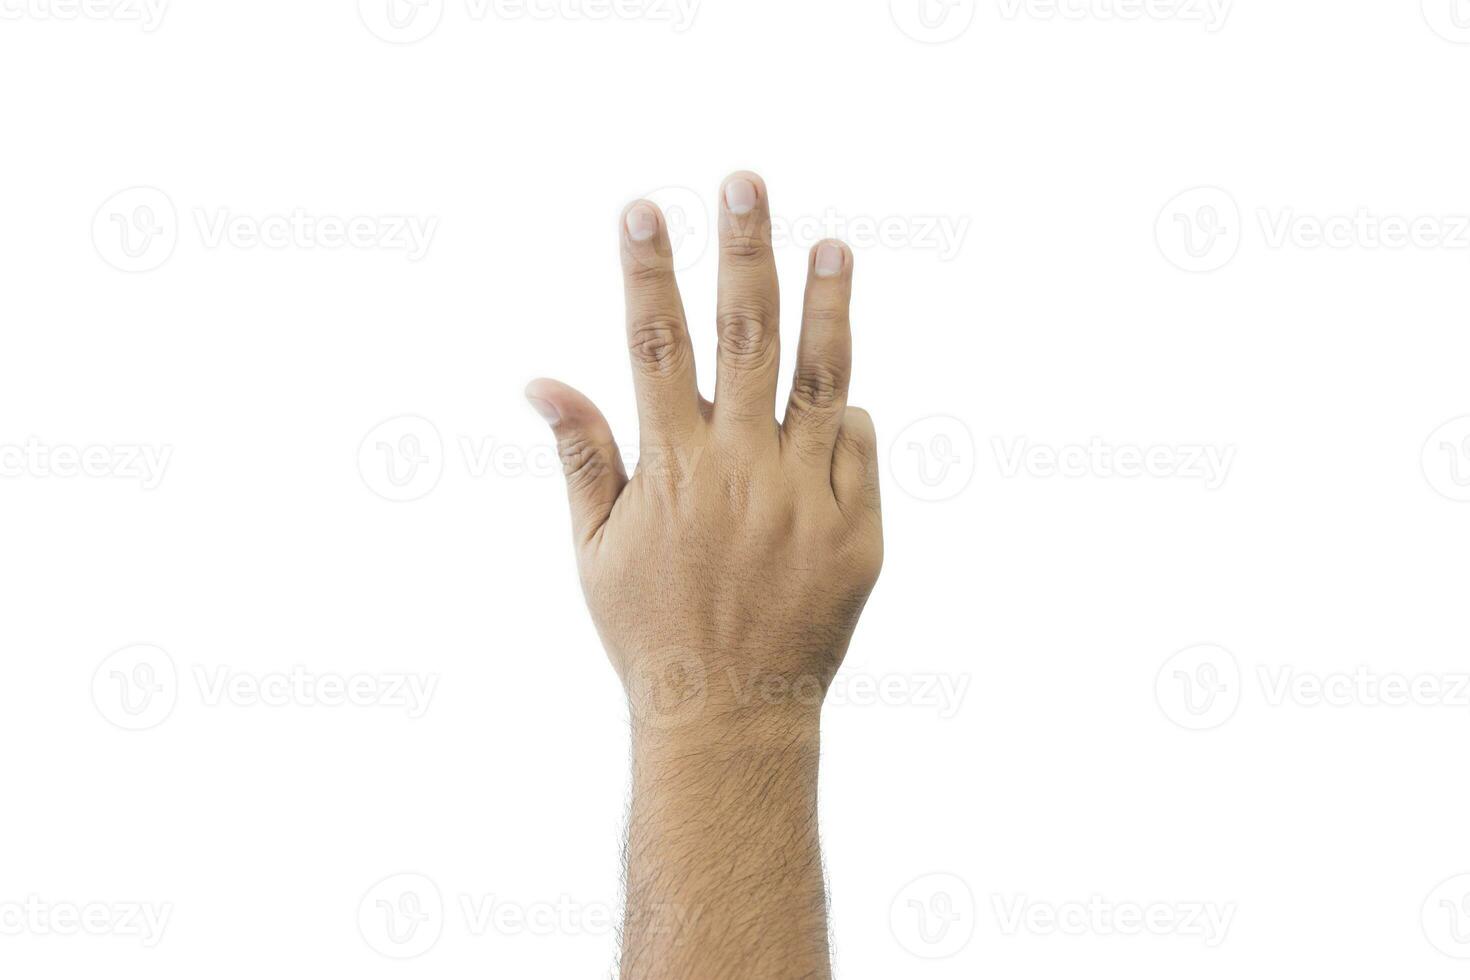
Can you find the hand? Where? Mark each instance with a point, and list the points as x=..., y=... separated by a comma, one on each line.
x=733, y=564
x=731, y=567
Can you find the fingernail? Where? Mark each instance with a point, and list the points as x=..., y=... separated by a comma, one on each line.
x=829, y=260
x=641, y=222
x=544, y=409
x=740, y=196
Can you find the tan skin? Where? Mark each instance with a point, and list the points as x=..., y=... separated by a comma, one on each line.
x=725, y=578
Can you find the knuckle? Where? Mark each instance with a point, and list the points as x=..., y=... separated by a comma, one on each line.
x=825, y=315
x=817, y=385
x=745, y=248
x=866, y=555
x=746, y=334
x=582, y=461
x=656, y=341
x=648, y=274
x=810, y=450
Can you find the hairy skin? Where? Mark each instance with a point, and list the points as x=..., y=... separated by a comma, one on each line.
x=725, y=578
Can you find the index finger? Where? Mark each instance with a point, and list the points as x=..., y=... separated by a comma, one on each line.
x=658, y=336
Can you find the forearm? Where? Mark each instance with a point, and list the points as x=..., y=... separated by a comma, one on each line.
x=724, y=866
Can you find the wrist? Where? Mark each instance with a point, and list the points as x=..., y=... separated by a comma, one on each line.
x=724, y=734
x=705, y=700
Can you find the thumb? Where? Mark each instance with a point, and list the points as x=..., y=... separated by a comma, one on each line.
x=589, y=456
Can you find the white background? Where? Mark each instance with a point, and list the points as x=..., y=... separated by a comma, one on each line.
x=1080, y=764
